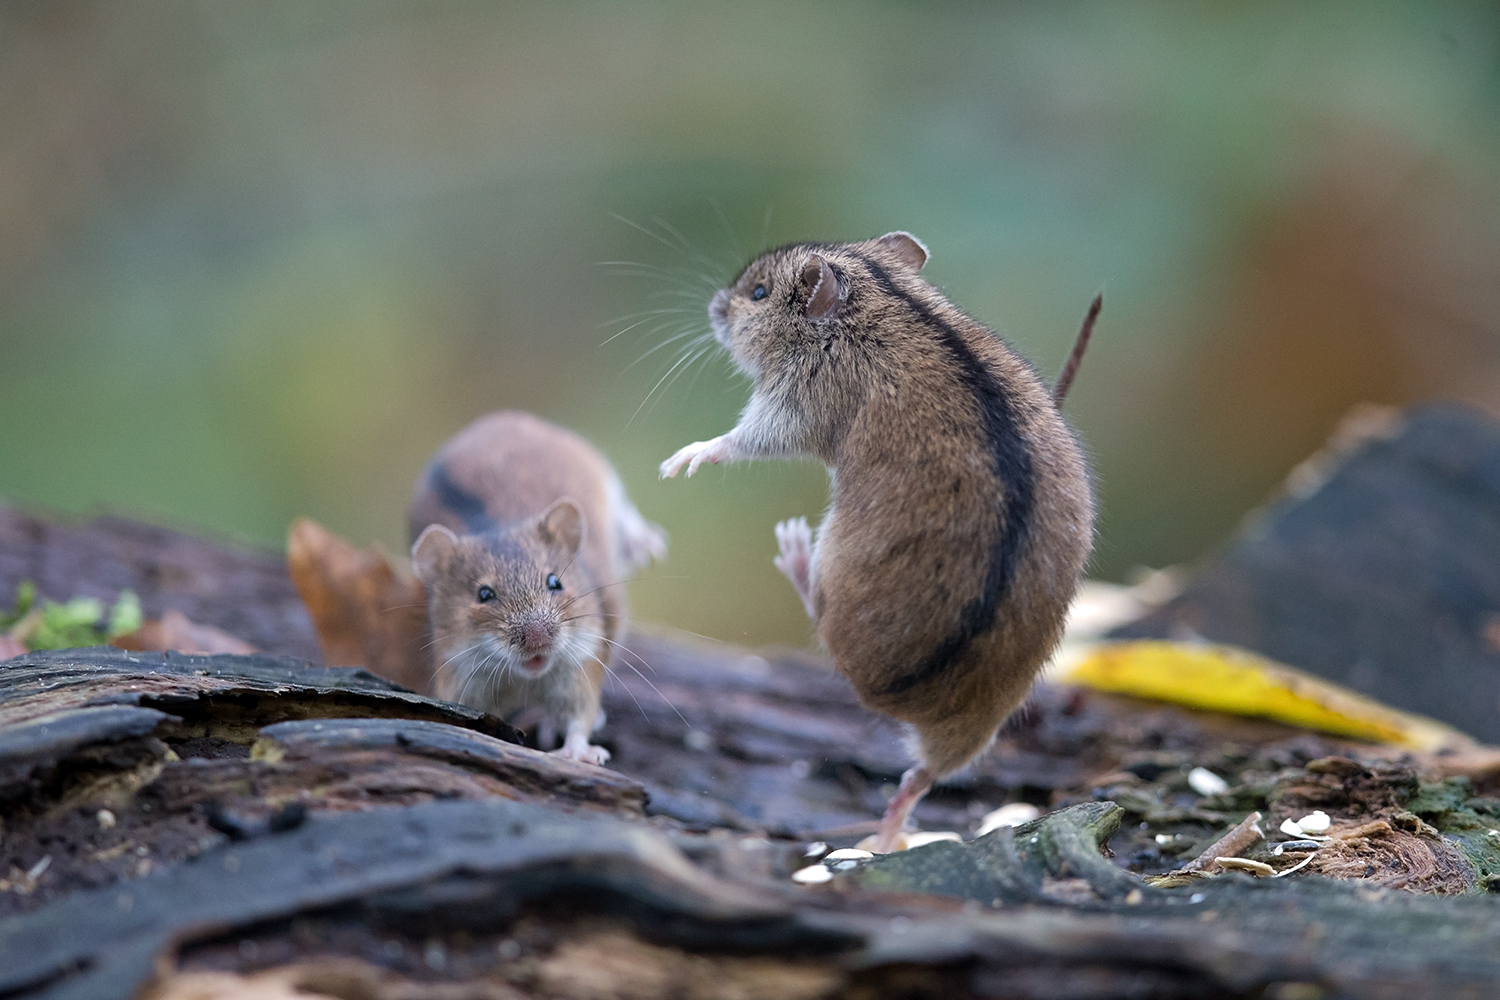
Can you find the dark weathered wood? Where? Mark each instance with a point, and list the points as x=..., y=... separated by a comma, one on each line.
x=1380, y=571
x=467, y=876
x=473, y=865
x=247, y=838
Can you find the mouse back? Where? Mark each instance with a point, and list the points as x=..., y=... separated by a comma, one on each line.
x=505, y=467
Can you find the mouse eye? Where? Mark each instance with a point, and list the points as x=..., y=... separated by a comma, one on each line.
x=553, y=583
x=759, y=293
x=486, y=594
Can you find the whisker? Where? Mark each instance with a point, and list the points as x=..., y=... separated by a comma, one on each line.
x=685, y=365
x=622, y=684
x=665, y=700
x=627, y=649
x=698, y=337
x=658, y=385
x=462, y=652
x=677, y=273
x=632, y=326
x=654, y=235
x=578, y=597
x=718, y=208
x=705, y=357
x=684, y=631
x=692, y=252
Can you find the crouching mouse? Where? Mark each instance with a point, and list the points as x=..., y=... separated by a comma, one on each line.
x=522, y=535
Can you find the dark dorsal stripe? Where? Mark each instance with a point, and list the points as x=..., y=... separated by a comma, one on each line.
x=468, y=508
x=1012, y=466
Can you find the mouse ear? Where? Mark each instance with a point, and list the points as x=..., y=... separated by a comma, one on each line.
x=822, y=288
x=430, y=551
x=562, y=525
x=911, y=251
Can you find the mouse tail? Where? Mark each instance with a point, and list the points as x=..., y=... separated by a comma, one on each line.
x=1065, y=380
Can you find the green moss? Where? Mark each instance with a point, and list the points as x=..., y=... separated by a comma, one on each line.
x=79, y=622
x=1472, y=823
x=25, y=597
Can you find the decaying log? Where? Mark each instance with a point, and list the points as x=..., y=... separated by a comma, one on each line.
x=242, y=825
x=181, y=826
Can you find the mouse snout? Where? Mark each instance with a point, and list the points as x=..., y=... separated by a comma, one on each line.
x=535, y=632
x=718, y=314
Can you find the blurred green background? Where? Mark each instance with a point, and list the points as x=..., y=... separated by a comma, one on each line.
x=258, y=260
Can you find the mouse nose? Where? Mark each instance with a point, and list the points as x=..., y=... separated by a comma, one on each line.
x=536, y=632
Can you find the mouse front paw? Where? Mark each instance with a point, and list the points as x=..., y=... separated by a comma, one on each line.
x=584, y=753
x=713, y=452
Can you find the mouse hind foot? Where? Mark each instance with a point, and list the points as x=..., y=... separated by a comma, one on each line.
x=915, y=783
x=795, y=540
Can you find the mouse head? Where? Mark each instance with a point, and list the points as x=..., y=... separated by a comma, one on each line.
x=505, y=602
x=792, y=296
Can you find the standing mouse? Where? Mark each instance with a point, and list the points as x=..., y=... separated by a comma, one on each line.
x=962, y=514
x=522, y=535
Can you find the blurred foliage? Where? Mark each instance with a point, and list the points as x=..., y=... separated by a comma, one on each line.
x=259, y=260
x=78, y=622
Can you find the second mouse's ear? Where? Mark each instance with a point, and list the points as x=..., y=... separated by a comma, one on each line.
x=562, y=525
x=431, y=551
x=911, y=251
x=821, y=286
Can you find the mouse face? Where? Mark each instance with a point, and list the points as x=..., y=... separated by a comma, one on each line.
x=796, y=296
x=509, y=606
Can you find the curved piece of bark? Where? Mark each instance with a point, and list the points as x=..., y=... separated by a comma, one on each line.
x=530, y=774
x=266, y=689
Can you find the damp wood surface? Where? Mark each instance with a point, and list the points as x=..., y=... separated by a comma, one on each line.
x=187, y=826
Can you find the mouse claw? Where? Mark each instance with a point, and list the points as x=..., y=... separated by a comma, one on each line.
x=695, y=454
x=673, y=465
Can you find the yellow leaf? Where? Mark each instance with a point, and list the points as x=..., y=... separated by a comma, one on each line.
x=1238, y=682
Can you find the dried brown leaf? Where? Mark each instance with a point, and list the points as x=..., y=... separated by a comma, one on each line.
x=368, y=611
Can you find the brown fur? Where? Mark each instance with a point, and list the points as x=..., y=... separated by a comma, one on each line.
x=863, y=374
x=508, y=501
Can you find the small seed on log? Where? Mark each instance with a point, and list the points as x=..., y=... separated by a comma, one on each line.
x=812, y=875
x=1205, y=782
x=1245, y=865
